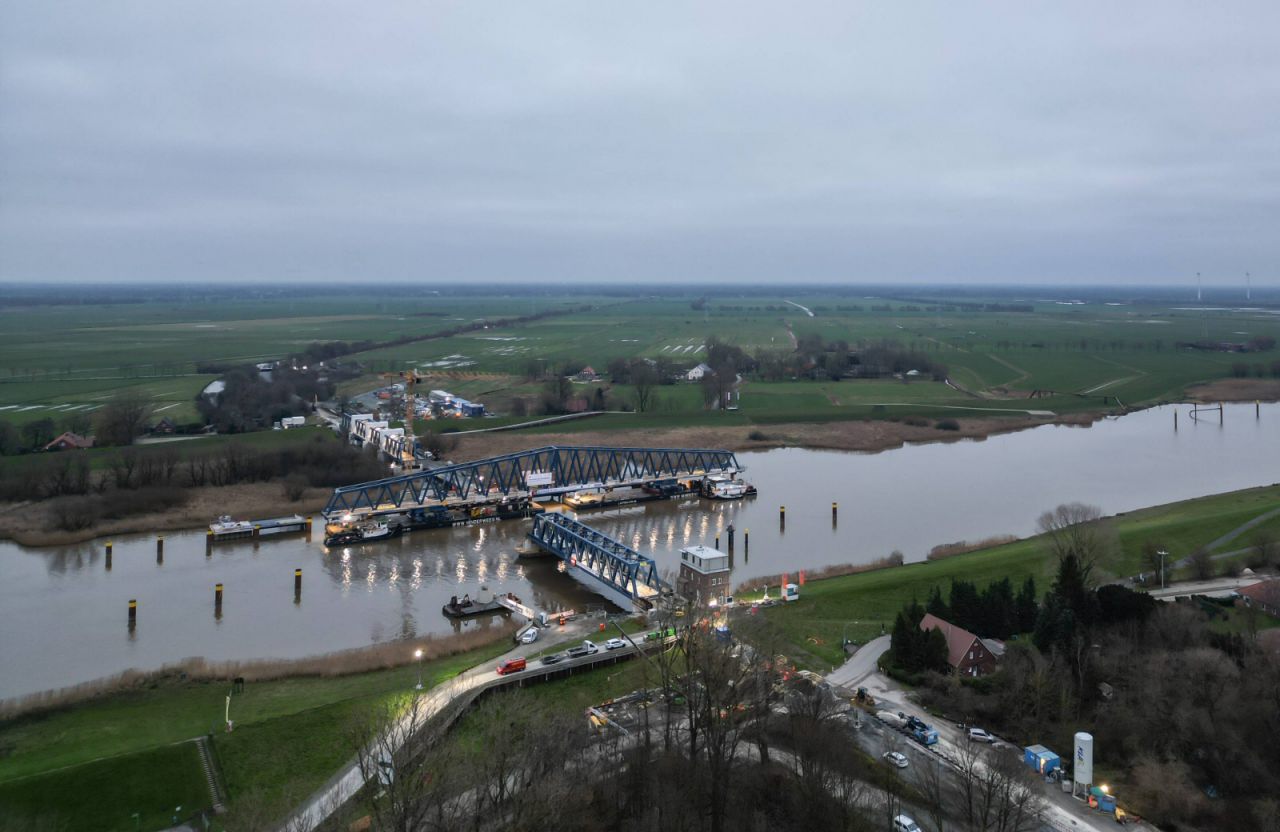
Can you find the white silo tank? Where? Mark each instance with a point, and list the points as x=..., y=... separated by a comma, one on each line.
x=1082, y=765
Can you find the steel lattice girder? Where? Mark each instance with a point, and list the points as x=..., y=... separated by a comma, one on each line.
x=570, y=468
x=618, y=565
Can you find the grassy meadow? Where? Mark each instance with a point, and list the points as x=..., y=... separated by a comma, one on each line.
x=61, y=360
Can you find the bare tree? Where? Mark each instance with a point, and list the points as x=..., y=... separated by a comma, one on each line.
x=121, y=420
x=644, y=378
x=1076, y=529
x=404, y=794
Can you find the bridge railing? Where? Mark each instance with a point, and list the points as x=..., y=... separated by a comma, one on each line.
x=550, y=470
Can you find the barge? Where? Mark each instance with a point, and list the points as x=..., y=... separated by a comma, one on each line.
x=467, y=607
x=225, y=528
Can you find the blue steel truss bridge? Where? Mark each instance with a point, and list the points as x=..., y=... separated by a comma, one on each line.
x=515, y=479
x=613, y=569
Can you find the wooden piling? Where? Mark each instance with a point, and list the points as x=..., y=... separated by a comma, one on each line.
x=835, y=513
x=133, y=613
x=297, y=586
x=782, y=518
x=308, y=529
x=108, y=564
x=208, y=543
x=217, y=600
x=160, y=549
x=746, y=545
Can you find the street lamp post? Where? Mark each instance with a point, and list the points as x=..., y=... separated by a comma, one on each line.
x=1163, y=554
x=844, y=635
x=417, y=654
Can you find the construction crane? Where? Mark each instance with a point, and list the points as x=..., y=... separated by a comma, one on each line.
x=408, y=459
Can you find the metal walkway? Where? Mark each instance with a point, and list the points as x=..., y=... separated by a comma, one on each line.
x=615, y=565
x=542, y=471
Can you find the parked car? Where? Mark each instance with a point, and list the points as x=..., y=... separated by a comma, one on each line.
x=553, y=658
x=979, y=735
x=902, y=823
x=529, y=636
x=614, y=644
x=896, y=758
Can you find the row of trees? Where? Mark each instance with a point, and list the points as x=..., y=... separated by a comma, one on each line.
x=993, y=612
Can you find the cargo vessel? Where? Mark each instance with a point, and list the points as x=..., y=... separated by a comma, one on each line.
x=225, y=528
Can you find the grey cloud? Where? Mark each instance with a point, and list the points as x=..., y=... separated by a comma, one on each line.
x=936, y=141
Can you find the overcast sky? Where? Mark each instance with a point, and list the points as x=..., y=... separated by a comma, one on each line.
x=844, y=141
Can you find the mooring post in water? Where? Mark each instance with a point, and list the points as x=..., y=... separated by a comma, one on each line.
x=746, y=545
x=108, y=554
x=782, y=518
x=1257, y=409
x=1175, y=418
x=208, y=543
x=729, y=531
x=835, y=512
x=160, y=549
x=308, y=530
x=717, y=546
x=1220, y=413
x=297, y=586
x=217, y=600
x=133, y=613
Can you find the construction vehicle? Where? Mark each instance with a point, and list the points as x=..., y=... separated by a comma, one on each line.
x=408, y=455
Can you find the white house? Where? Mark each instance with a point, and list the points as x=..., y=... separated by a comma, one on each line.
x=698, y=372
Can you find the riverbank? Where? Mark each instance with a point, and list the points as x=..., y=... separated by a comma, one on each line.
x=861, y=435
x=35, y=523
x=1236, y=390
x=862, y=606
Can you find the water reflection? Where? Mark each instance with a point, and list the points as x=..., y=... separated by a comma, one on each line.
x=909, y=499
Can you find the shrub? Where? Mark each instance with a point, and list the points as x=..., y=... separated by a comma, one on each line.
x=947, y=424
x=757, y=436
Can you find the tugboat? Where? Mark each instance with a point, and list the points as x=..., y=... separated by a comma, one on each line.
x=366, y=531
x=726, y=488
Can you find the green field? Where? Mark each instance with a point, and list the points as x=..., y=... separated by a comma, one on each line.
x=291, y=735
x=861, y=605
x=63, y=360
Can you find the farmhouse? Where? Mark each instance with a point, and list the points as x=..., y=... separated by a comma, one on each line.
x=1263, y=596
x=69, y=441
x=698, y=372
x=966, y=653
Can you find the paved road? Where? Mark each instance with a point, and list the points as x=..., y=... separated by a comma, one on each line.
x=861, y=664
x=1217, y=586
x=1062, y=812
x=350, y=779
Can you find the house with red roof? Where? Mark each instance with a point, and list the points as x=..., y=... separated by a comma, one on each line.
x=966, y=653
x=1263, y=596
x=69, y=441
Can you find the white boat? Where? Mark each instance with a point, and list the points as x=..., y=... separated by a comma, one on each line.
x=225, y=526
x=724, y=488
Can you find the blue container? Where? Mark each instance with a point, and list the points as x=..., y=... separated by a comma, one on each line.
x=1041, y=759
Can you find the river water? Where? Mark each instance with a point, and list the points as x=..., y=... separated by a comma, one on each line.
x=63, y=614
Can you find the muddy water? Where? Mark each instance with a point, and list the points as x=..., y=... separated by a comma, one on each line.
x=63, y=614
